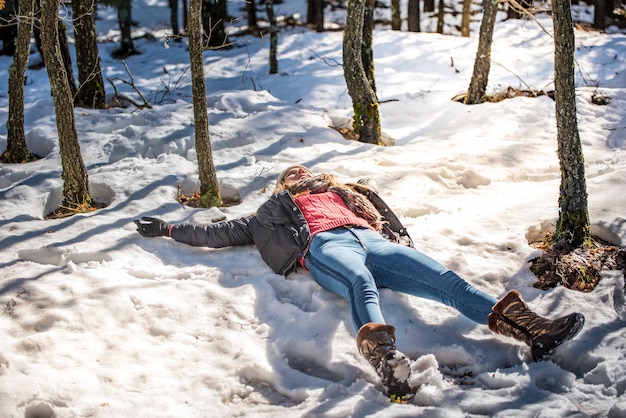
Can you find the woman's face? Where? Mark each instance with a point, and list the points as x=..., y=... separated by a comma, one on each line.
x=295, y=174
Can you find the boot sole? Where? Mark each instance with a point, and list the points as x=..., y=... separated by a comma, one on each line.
x=541, y=352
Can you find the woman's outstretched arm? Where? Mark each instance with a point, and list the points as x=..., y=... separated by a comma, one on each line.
x=223, y=234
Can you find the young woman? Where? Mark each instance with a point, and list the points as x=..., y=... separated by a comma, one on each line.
x=353, y=244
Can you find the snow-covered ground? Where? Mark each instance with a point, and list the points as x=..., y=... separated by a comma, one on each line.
x=96, y=321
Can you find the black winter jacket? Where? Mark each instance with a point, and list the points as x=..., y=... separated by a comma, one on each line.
x=279, y=230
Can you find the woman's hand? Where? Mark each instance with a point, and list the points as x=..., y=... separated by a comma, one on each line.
x=152, y=227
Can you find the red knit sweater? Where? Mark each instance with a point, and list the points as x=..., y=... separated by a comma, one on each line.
x=324, y=211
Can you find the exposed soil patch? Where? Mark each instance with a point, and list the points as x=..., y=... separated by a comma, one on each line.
x=4, y=159
x=511, y=93
x=597, y=98
x=579, y=269
x=65, y=212
x=193, y=201
x=351, y=135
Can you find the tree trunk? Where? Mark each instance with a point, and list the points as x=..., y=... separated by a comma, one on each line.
x=572, y=229
x=269, y=8
x=429, y=6
x=63, y=46
x=465, y=18
x=17, y=150
x=315, y=14
x=310, y=12
x=124, y=9
x=65, y=55
x=185, y=15
x=209, y=189
x=599, y=15
x=482, y=64
x=440, y=16
x=174, y=19
x=413, y=19
x=75, y=179
x=251, y=14
x=367, y=54
x=364, y=102
x=396, y=15
x=319, y=15
x=213, y=16
x=91, y=86
x=519, y=8
x=8, y=27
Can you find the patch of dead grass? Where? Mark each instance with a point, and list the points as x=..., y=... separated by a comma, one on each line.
x=579, y=269
x=67, y=211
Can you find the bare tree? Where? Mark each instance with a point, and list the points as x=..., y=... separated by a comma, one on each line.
x=75, y=180
x=367, y=45
x=65, y=54
x=519, y=8
x=315, y=14
x=465, y=18
x=174, y=18
x=91, y=85
x=271, y=17
x=124, y=18
x=414, y=16
x=214, y=14
x=482, y=64
x=8, y=26
x=209, y=188
x=366, y=122
x=396, y=15
x=253, y=24
x=441, y=13
x=17, y=150
x=572, y=229
x=603, y=10
x=63, y=45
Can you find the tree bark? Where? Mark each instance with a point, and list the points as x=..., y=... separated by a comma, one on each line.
x=572, y=229
x=269, y=8
x=91, y=86
x=413, y=18
x=440, y=16
x=396, y=15
x=174, y=19
x=319, y=15
x=599, y=15
x=75, y=180
x=482, y=64
x=8, y=26
x=367, y=53
x=366, y=121
x=17, y=149
x=465, y=18
x=253, y=24
x=185, y=15
x=209, y=189
x=213, y=16
x=315, y=14
x=65, y=55
x=519, y=8
x=127, y=48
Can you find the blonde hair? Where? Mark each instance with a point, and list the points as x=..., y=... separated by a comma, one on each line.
x=280, y=180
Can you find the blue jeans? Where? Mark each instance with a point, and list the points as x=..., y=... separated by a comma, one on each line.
x=355, y=262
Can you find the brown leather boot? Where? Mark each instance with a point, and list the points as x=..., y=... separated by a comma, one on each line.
x=377, y=343
x=512, y=317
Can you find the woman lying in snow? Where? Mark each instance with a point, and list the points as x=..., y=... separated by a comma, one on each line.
x=353, y=244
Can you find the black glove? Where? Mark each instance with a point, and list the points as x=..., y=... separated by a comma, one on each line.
x=152, y=227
